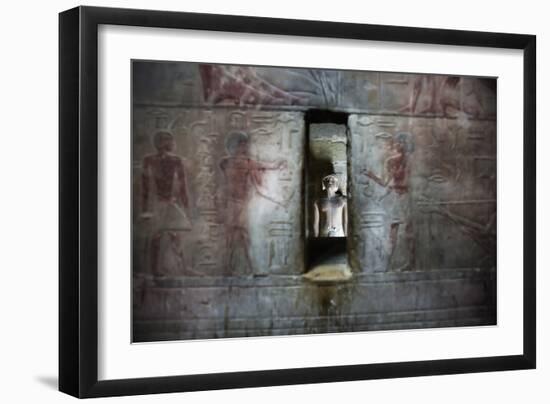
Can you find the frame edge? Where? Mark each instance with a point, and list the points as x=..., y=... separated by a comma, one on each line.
x=78, y=361
x=69, y=81
x=530, y=202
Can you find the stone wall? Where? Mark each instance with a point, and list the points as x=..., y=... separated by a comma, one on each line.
x=177, y=84
x=446, y=218
x=230, y=263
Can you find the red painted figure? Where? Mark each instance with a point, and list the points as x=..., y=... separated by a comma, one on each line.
x=241, y=85
x=165, y=172
x=442, y=95
x=242, y=176
x=396, y=181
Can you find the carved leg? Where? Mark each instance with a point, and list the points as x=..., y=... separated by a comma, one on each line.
x=155, y=250
x=394, y=230
x=409, y=234
x=247, y=256
x=411, y=105
x=229, y=244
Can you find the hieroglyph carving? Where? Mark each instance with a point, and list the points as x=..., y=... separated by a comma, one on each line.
x=228, y=177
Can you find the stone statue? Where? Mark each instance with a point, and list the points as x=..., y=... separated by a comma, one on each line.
x=330, y=216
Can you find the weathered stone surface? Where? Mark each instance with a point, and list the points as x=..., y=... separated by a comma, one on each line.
x=437, y=200
x=291, y=305
x=244, y=209
x=206, y=85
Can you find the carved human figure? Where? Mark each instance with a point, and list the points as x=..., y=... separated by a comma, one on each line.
x=242, y=176
x=163, y=200
x=330, y=217
x=246, y=85
x=441, y=91
x=395, y=179
x=242, y=85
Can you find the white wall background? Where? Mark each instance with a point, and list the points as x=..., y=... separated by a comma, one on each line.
x=28, y=174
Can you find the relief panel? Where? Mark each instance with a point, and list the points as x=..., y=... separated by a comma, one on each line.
x=217, y=193
x=423, y=193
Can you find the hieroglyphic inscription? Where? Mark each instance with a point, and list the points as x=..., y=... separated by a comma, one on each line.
x=243, y=171
x=281, y=233
x=280, y=142
x=434, y=192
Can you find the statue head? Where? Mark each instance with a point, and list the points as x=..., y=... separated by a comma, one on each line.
x=331, y=182
x=163, y=140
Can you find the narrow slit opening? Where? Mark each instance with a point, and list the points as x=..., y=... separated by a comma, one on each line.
x=326, y=196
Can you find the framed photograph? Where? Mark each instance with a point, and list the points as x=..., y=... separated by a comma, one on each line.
x=251, y=201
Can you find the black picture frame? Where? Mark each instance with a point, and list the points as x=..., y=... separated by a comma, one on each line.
x=78, y=201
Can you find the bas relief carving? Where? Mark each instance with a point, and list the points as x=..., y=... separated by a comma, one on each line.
x=247, y=85
x=421, y=200
x=207, y=85
x=231, y=186
x=164, y=208
x=216, y=195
